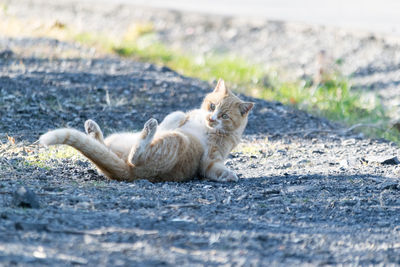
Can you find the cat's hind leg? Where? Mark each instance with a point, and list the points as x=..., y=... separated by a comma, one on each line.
x=92, y=129
x=146, y=136
x=149, y=130
x=157, y=157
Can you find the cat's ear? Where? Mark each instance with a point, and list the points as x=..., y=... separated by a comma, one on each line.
x=221, y=88
x=245, y=107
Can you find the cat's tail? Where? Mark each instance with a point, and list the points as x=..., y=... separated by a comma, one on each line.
x=106, y=160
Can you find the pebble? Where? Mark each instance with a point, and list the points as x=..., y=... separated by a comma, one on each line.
x=384, y=160
x=389, y=185
x=6, y=54
x=391, y=161
x=28, y=226
x=23, y=197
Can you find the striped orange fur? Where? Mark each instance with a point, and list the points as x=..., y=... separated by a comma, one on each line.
x=184, y=146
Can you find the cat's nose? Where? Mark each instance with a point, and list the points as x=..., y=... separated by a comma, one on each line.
x=212, y=118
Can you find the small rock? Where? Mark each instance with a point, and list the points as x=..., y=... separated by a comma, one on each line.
x=350, y=202
x=25, y=198
x=7, y=53
x=348, y=142
x=282, y=152
x=286, y=165
x=82, y=163
x=150, y=67
x=363, y=161
x=241, y=160
x=303, y=161
x=391, y=161
x=30, y=226
x=84, y=205
x=272, y=192
x=389, y=185
x=383, y=160
x=229, y=163
x=344, y=163
x=262, y=211
x=166, y=69
x=227, y=200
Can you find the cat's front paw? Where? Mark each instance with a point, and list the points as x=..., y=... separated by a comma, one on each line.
x=173, y=121
x=228, y=176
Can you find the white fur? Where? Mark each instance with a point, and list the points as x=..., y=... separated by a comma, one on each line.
x=196, y=126
x=121, y=143
x=172, y=121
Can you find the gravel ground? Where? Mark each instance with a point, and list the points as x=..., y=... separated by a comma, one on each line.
x=307, y=195
x=371, y=60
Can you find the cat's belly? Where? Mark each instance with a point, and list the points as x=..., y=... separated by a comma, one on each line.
x=122, y=143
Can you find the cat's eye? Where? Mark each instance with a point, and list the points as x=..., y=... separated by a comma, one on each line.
x=225, y=116
x=212, y=107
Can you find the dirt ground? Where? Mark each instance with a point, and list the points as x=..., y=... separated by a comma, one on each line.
x=309, y=193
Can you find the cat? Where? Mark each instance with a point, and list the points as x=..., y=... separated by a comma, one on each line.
x=182, y=147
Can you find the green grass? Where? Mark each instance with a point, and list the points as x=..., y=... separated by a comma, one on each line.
x=336, y=100
x=234, y=70
x=45, y=157
x=247, y=149
x=333, y=99
x=4, y=8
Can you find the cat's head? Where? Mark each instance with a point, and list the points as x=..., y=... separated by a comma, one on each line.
x=225, y=111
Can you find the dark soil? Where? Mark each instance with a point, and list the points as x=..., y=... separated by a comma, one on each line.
x=307, y=195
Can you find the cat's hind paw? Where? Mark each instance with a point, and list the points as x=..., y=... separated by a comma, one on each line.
x=91, y=127
x=150, y=128
x=93, y=130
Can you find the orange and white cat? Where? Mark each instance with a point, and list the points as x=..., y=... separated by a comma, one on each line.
x=184, y=146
